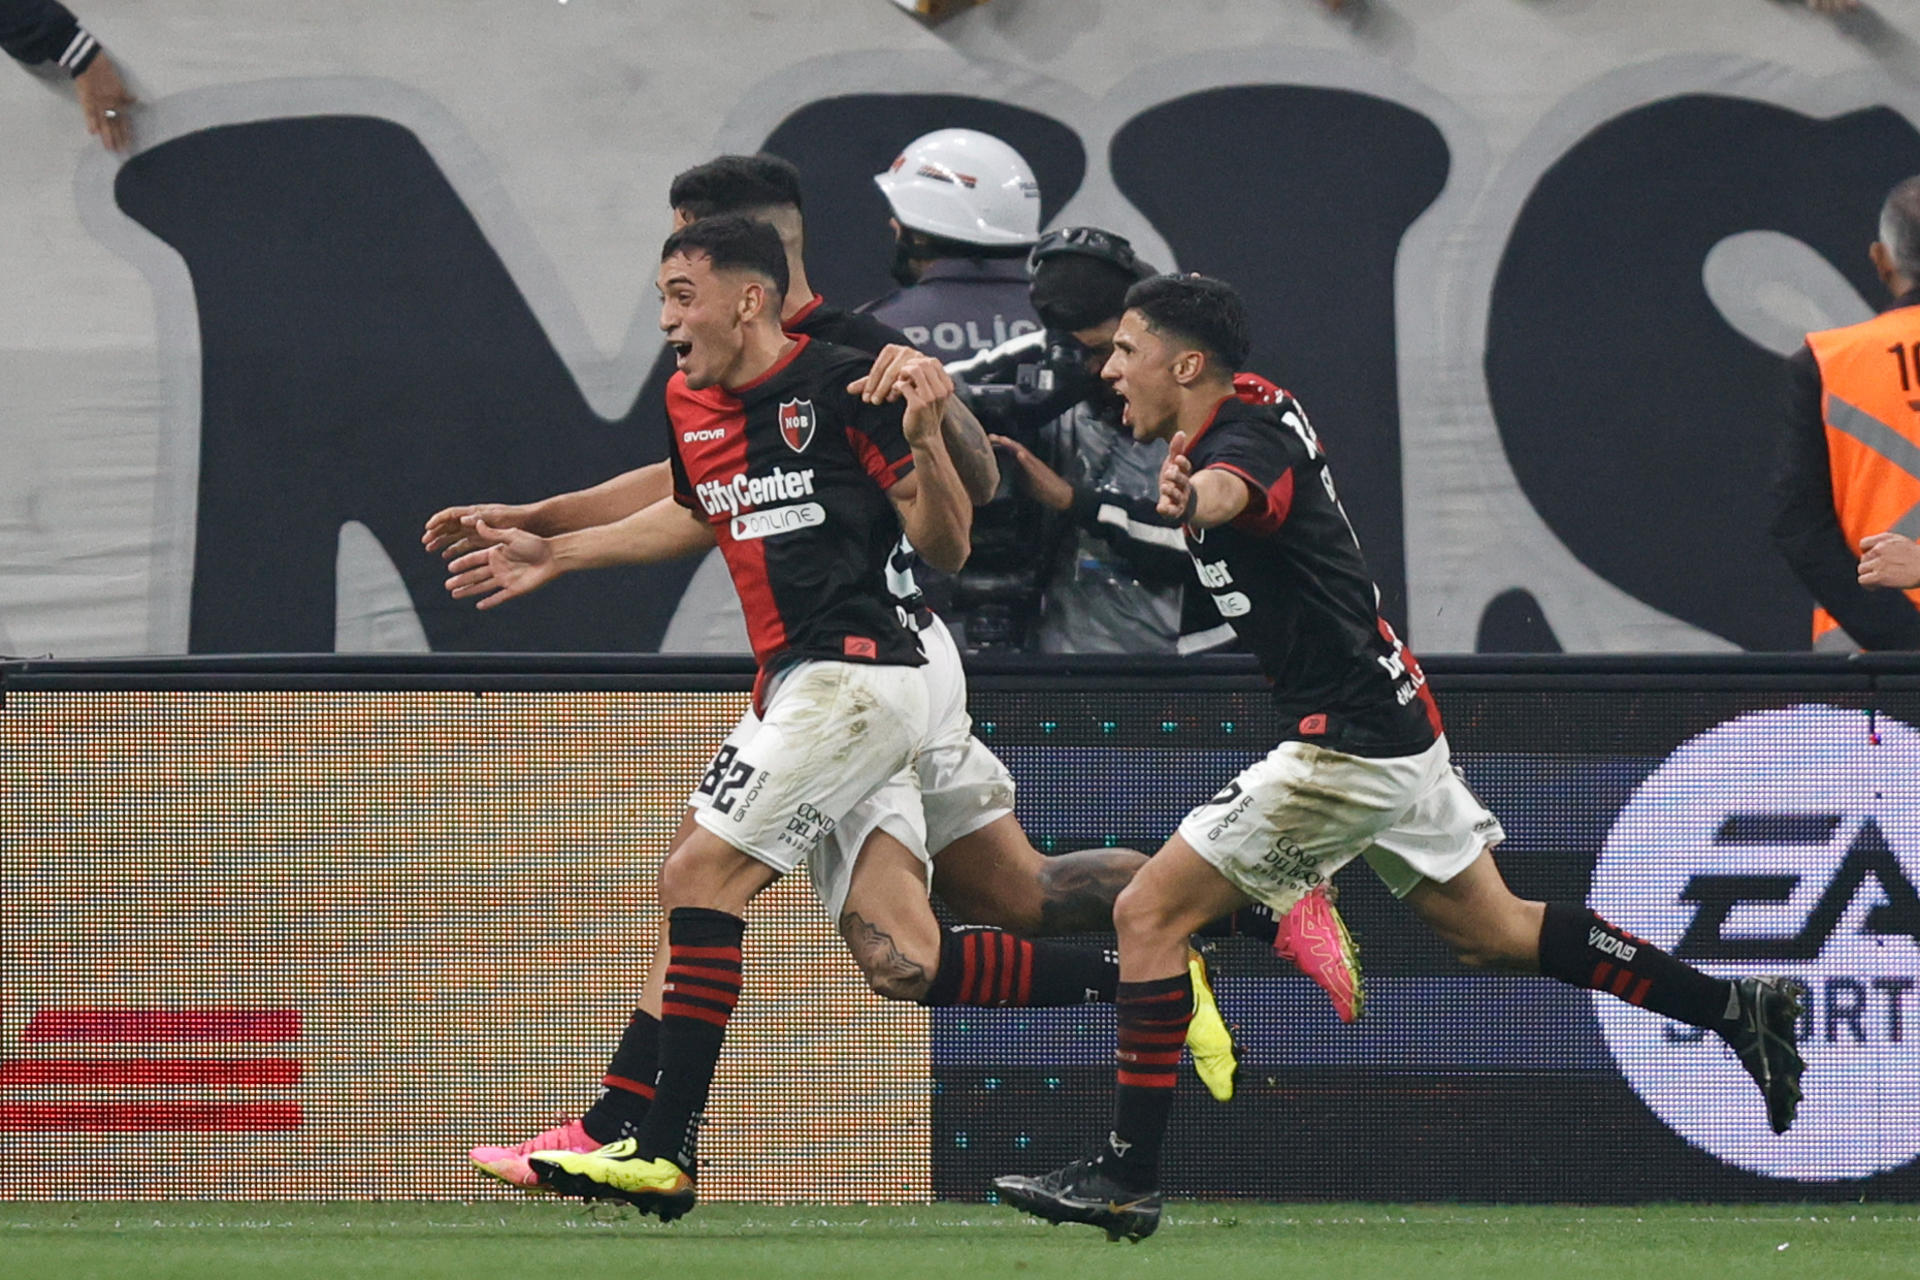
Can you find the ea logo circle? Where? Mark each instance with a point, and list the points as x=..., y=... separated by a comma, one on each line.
x=1781, y=842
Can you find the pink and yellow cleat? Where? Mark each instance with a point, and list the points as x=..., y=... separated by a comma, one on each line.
x=509, y=1164
x=1314, y=937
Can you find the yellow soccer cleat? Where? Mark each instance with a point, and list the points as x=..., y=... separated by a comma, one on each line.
x=616, y=1172
x=1208, y=1039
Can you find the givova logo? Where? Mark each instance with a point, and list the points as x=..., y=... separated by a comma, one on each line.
x=1781, y=842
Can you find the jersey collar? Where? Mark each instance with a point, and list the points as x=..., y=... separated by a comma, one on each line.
x=793, y=322
x=800, y=342
x=1212, y=418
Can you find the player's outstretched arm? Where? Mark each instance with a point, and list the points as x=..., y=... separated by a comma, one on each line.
x=610, y=500
x=514, y=562
x=934, y=506
x=1201, y=499
x=1889, y=560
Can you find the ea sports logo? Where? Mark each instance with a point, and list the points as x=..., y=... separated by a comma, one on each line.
x=1781, y=842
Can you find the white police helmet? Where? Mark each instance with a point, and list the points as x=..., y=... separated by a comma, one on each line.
x=961, y=184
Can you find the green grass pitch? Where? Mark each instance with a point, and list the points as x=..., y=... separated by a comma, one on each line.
x=557, y=1240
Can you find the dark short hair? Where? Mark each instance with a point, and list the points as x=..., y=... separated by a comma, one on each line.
x=1072, y=291
x=735, y=184
x=734, y=242
x=1900, y=227
x=1197, y=309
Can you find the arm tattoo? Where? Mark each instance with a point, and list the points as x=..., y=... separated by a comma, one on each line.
x=971, y=451
x=888, y=972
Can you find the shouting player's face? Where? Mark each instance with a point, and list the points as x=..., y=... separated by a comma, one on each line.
x=704, y=314
x=1141, y=371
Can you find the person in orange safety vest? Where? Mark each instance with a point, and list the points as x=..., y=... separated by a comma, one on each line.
x=1849, y=466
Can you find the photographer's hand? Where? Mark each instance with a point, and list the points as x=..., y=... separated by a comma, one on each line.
x=1042, y=482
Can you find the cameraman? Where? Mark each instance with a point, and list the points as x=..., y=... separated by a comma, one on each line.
x=1072, y=558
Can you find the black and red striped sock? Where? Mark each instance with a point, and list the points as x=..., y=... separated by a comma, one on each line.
x=627, y=1094
x=1581, y=949
x=989, y=967
x=703, y=985
x=1153, y=1018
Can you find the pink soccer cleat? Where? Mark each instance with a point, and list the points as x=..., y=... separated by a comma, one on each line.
x=509, y=1164
x=1314, y=937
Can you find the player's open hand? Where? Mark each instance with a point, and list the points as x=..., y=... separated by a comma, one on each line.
x=509, y=563
x=1889, y=560
x=1046, y=485
x=1176, y=480
x=881, y=382
x=448, y=534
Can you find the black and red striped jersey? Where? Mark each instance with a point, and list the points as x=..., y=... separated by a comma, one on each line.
x=1287, y=574
x=792, y=471
x=824, y=322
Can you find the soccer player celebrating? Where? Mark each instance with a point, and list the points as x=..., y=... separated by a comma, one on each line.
x=961, y=814
x=1362, y=770
x=805, y=487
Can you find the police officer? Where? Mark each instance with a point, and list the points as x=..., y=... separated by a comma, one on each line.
x=1106, y=570
x=965, y=211
x=1849, y=466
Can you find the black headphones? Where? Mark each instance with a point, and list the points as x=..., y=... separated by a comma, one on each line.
x=1107, y=246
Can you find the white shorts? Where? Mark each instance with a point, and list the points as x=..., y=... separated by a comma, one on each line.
x=1291, y=820
x=958, y=785
x=834, y=734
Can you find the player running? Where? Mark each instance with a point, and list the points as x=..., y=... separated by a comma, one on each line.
x=1362, y=770
x=985, y=868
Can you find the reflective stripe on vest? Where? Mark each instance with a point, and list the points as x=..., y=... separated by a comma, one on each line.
x=1870, y=402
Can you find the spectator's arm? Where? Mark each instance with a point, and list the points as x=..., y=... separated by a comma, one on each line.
x=36, y=31
x=1807, y=531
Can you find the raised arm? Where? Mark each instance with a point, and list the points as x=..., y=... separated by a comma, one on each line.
x=966, y=440
x=513, y=562
x=933, y=502
x=970, y=450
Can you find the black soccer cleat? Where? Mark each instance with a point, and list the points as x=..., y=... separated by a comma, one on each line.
x=1763, y=1038
x=617, y=1172
x=1081, y=1192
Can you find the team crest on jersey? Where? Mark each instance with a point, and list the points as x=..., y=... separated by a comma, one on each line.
x=796, y=424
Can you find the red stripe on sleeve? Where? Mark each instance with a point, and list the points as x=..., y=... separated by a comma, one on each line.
x=1267, y=505
x=885, y=474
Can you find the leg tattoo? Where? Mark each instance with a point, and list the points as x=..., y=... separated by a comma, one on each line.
x=1078, y=889
x=888, y=972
